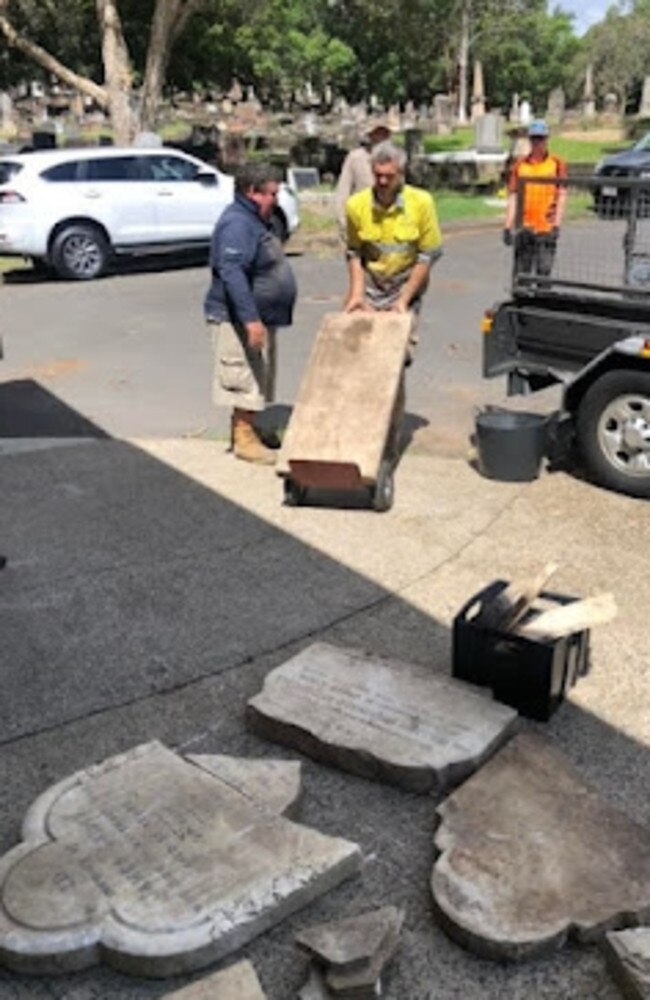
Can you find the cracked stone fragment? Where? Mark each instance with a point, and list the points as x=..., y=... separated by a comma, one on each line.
x=239, y=982
x=315, y=988
x=381, y=718
x=350, y=944
x=529, y=855
x=366, y=982
x=628, y=957
x=157, y=866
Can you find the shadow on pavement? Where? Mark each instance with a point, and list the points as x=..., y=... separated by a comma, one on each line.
x=28, y=410
x=139, y=604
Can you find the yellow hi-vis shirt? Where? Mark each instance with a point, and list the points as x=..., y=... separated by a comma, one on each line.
x=390, y=241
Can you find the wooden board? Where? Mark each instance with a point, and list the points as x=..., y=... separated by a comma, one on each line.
x=344, y=406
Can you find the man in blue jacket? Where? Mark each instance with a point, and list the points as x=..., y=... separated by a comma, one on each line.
x=252, y=293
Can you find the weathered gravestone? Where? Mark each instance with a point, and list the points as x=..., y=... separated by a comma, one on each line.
x=443, y=114
x=159, y=865
x=530, y=856
x=383, y=719
x=239, y=982
x=556, y=105
x=644, y=106
x=628, y=957
x=488, y=133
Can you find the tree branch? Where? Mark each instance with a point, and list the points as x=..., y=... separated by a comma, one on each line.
x=48, y=62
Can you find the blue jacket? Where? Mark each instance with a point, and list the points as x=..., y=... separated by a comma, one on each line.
x=251, y=277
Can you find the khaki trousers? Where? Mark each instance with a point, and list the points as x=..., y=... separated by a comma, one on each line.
x=243, y=378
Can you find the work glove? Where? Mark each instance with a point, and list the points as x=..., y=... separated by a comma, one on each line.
x=507, y=237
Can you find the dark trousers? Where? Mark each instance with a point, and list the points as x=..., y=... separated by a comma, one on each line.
x=535, y=253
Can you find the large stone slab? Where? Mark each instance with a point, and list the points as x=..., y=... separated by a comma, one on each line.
x=628, y=957
x=531, y=856
x=349, y=944
x=157, y=866
x=380, y=718
x=239, y=982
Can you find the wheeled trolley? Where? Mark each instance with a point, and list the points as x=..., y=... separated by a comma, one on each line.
x=343, y=430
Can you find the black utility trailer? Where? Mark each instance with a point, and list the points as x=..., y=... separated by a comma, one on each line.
x=585, y=324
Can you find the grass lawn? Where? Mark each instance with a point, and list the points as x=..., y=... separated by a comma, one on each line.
x=13, y=264
x=454, y=205
x=584, y=151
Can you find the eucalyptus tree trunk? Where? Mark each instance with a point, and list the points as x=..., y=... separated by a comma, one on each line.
x=118, y=78
x=169, y=20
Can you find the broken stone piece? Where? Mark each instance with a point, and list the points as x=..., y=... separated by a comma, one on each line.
x=350, y=944
x=628, y=958
x=366, y=982
x=315, y=988
x=156, y=866
x=380, y=718
x=239, y=982
x=529, y=855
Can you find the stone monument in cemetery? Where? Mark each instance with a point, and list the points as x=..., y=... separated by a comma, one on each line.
x=443, y=114
x=644, y=105
x=160, y=864
x=6, y=110
x=588, y=100
x=556, y=106
x=478, y=91
x=488, y=133
x=513, y=114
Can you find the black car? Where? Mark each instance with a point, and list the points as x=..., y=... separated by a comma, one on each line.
x=613, y=193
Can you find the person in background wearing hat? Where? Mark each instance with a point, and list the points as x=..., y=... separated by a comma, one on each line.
x=543, y=208
x=356, y=172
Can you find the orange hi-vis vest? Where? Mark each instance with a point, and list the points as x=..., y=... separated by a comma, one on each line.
x=540, y=200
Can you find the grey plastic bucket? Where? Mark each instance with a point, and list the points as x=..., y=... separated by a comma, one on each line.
x=510, y=444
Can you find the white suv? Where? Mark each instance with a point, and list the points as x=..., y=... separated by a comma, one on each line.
x=73, y=209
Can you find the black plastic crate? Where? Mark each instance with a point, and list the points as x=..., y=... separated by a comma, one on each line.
x=531, y=675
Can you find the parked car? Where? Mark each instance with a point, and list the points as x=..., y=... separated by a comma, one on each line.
x=73, y=209
x=611, y=197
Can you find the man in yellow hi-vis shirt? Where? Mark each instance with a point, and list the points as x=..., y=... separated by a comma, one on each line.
x=393, y=238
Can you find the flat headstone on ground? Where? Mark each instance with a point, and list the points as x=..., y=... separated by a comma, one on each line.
x=350, y=944
x=156, y=866
x=531, y=856
x=381, y=718
x=628, y=957
x=239, y=982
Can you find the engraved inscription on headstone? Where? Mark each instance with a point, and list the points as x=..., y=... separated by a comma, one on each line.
x=383, y=719
x=529, y=856
x=158, y=866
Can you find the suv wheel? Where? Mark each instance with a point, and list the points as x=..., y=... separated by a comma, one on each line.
x=80, y=251
x=613, y=428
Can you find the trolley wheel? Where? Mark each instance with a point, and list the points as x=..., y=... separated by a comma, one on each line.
x=294, y=494
x=382, y=493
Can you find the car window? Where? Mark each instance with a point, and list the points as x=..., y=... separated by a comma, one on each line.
x=168, y=167
x=644, y=142
x=9, y=169
x=112, y=168
x=61, y=172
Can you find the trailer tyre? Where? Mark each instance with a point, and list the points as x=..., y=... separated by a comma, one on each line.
x=613, y=430
x=382, y=493
x=294, y=494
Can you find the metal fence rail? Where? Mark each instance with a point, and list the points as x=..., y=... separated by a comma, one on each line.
x=602, y=248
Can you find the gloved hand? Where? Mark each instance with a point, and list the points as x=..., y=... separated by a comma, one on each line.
x=507, y=237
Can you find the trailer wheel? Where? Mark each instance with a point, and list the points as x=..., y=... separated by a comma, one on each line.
x=613, y=430
x=382, y=493
x=294, y=494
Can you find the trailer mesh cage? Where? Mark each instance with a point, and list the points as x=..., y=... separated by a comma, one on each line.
x=602, y=248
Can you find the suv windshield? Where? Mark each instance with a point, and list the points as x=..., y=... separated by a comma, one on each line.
x=9, y=169
x=644, y=142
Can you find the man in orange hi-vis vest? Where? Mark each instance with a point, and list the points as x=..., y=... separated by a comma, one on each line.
x=543, y=205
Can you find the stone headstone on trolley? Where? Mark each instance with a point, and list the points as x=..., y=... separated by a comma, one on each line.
x=488, y=133
x=159, y=865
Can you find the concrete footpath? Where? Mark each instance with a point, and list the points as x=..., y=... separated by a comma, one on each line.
x=151, y=585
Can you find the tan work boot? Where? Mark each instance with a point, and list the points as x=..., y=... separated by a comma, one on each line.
x=247, y=445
